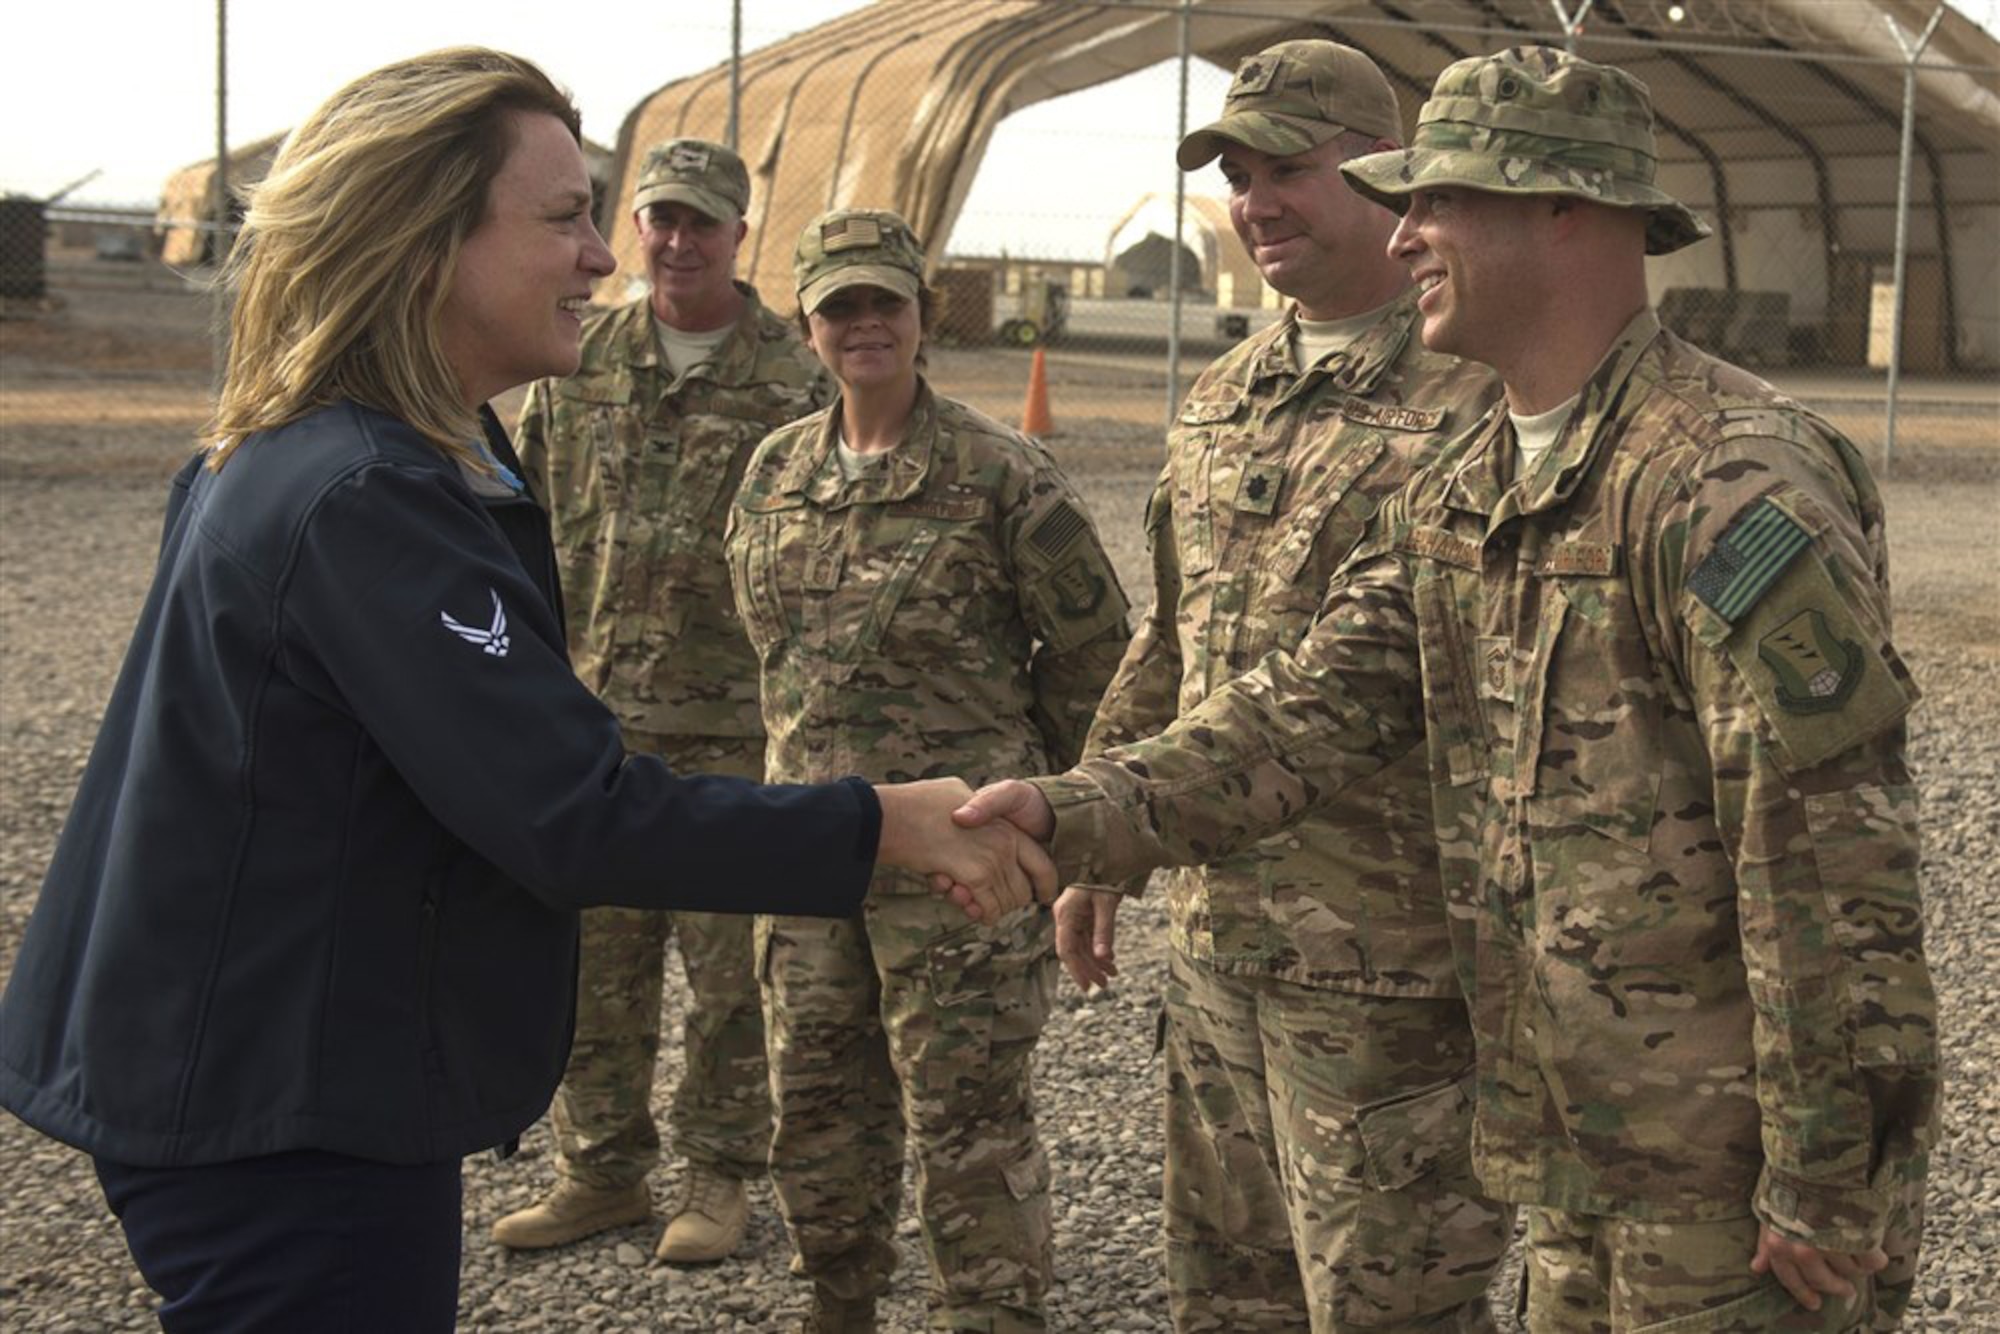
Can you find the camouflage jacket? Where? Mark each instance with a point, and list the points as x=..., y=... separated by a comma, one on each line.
x=951, y=613
x=1271, y=478
x=1666, y=736
x=637, y=467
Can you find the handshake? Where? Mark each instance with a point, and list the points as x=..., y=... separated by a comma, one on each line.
x=983, y=850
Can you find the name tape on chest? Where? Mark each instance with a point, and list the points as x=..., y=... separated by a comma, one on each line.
x=1392, y=416
x=934, y=508
x=1438, y=544
x=1598, y=558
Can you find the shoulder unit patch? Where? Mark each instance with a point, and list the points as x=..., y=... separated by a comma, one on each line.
x=1747, y=559
x=1079, y=590
x=1816, y=669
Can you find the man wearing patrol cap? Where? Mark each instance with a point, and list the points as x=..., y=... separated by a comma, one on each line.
x=1312, y=1008
x=1640, y=620
x=637, y=456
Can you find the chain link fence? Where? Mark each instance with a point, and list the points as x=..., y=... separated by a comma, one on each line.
x=1784, y=124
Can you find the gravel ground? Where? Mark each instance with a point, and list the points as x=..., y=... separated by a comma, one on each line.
x=80, y=495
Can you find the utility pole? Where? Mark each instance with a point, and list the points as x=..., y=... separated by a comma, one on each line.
x=1912, y=52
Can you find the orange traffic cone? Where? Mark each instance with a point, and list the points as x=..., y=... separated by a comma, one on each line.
x=1035, y=418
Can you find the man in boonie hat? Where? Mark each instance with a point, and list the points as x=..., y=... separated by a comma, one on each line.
x=1639, y=623
x=676, y=387
x=1536, y=121
x=1282, y=448
x=1774, y=1177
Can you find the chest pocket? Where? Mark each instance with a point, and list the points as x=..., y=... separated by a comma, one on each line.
x=1589, y=711
x=912, y=555
x=587, y=477
x=693, y=457
x=1315, y=529
x=1452, y=714
x=1192, y=453
x=753, y=551
x=936, y=598
x=1321, y=528
x=850, y=586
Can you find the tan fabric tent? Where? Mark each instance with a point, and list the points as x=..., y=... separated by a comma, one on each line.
x=893, y=105
x=188, y=200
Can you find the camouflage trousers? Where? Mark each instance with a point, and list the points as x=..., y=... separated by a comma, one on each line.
x=721, y=1116
x=1319, y=1161
x=910, y=1026
x=1595, y=1275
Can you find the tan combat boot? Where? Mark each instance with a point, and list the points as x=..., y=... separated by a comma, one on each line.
x=571, y=1212
x=711, y=1221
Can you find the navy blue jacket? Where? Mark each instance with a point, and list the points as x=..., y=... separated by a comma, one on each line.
x=319, y=885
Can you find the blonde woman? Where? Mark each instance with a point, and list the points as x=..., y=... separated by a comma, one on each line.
x=309, y=935
x=926, y=595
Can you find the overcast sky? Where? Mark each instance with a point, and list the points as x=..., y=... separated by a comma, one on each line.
x=129, y=88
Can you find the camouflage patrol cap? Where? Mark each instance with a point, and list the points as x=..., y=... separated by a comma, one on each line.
x=854, y=247
x=1295, y=96
x=695, y=172
x=1533, y=120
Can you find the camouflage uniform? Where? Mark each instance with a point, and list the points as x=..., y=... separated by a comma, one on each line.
x=1312, y=1009
x=949, y=611
x=638, y=467
x=1665, y=731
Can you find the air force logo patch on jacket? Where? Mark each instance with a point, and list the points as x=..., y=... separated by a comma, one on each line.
x=493, y=639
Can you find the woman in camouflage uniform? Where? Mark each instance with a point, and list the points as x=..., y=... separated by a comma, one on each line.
x=926, y=596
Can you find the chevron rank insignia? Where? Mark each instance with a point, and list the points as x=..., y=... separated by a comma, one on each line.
x=1747, y=559
x=1815, y=669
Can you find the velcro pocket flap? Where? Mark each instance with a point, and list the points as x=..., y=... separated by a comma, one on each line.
x=1405, y=1137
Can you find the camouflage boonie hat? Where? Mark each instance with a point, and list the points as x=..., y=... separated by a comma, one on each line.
x=1533, y=120
x=854, y=247
x=1295, y=96
x=695, y=172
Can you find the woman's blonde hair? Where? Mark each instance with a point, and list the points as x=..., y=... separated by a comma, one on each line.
x=349, y=245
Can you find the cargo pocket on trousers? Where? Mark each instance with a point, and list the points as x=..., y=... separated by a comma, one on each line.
x=991, y=988
x=957, y=1046
x=1028, y=1181
x=1424, y=1241
x=1767, y=1308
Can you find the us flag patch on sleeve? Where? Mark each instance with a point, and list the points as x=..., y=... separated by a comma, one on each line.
x=1054, y=533
x=1747, y=559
